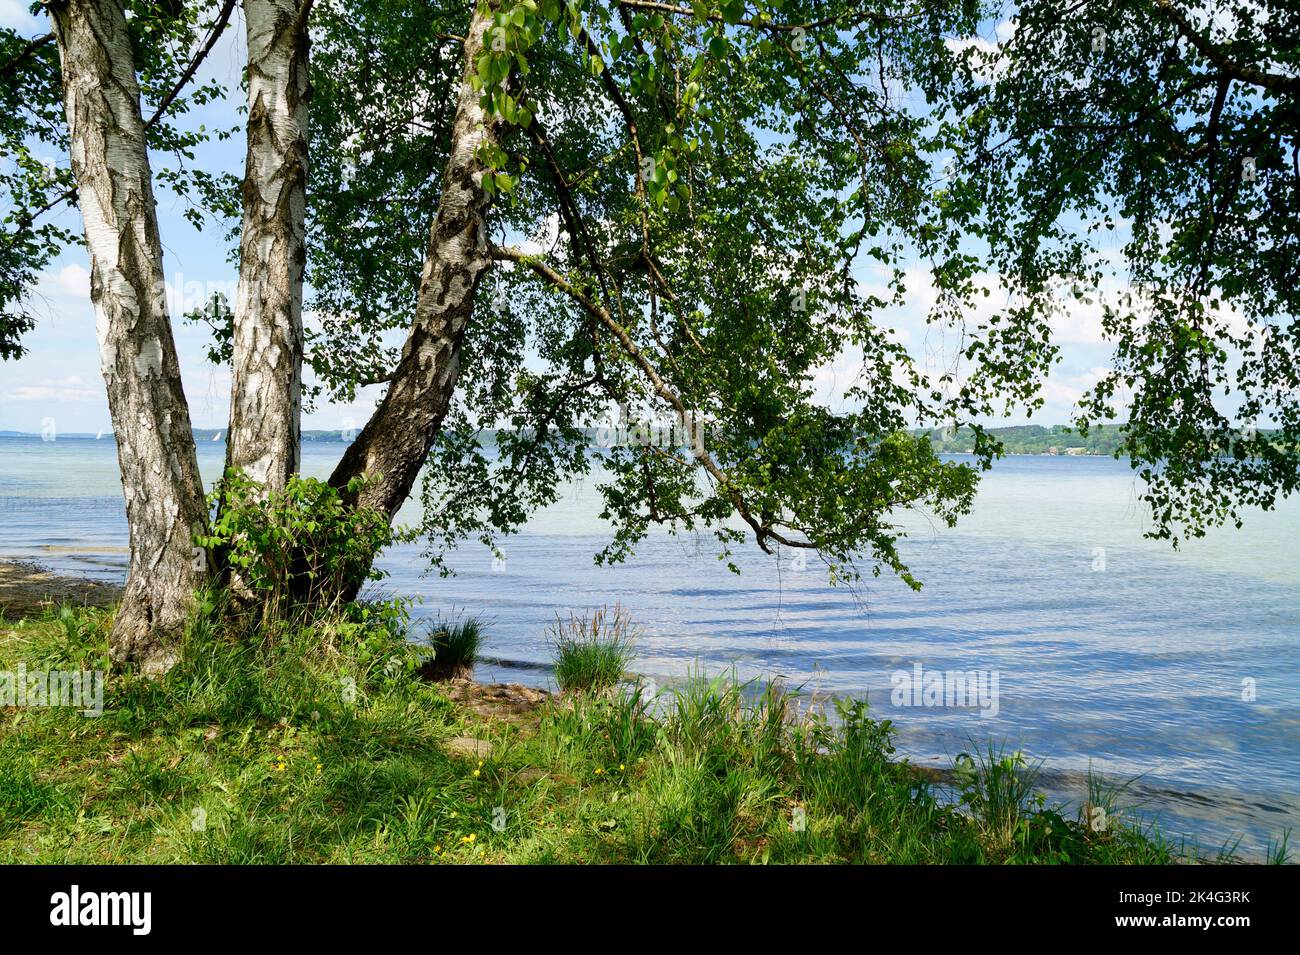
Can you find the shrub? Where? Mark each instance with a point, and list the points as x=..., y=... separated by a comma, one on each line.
x=303, y=546
x=592, y=651
x=997, y=788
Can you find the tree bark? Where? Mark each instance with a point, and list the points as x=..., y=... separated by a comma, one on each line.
x=151, y=420
x=395, y=442
x=266, y=387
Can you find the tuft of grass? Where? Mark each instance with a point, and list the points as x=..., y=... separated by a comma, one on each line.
x=456, y=645
x=997, y=787
x=1279, y=851
x=592, y=651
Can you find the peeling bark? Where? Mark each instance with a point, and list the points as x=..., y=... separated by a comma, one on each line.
x=395, y=442
x=151, y=420
x=266, y=388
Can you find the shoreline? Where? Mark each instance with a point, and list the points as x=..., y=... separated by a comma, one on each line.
x=27, y=587
x=207, y=765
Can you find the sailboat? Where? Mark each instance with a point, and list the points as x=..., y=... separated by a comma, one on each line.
x=100, y=435
x=217, y=436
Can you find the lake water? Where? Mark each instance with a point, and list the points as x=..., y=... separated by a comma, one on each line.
x=1177, y=670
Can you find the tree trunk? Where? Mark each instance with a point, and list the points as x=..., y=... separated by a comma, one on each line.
x=395, y=441
x=266, y=386
x=151, y=420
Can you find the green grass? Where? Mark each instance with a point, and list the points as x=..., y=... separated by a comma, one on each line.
x=592, y=651
x=318, y=744
x=455, y=645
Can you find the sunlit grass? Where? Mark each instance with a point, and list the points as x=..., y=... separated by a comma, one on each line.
x=322, y=746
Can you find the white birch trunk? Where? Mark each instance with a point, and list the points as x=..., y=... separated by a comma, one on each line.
x=266, y=388
x=396, y=440
x=151, y=421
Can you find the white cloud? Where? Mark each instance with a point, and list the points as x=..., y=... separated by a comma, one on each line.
x=73, y=281
x=71, y=388
x=1063, y=390
x=990, y=70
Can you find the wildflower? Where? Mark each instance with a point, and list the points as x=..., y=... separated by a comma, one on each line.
x=279, y=767
x=599, y=771
x=620, y=767
x=476, y=773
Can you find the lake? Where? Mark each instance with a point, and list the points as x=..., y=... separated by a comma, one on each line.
x=1173, y=670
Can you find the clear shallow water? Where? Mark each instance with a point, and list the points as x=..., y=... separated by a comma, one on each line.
x=1134, y=667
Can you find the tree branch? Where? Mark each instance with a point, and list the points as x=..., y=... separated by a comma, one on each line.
x=26, y=221
x=26, y=53
x=1277, y=82
x=763, y=532
x=218, y=26
x=761, y=23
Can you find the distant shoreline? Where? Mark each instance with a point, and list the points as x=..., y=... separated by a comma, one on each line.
x=1020, y=440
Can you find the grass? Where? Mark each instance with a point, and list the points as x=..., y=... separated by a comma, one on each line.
x=592, y=651
x=455, y=645
x=318, y=744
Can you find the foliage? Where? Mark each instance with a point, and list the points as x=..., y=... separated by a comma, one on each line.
x=1033, y=439
x=300, y=546
x=1137, y=160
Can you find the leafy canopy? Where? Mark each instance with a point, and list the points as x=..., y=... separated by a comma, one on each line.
x=687, y=202
x=1145, y=155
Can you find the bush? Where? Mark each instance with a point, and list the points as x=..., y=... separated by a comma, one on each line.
x=592, y=651
x=303, y=546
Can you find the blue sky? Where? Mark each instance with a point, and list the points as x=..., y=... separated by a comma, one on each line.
x=58, y=383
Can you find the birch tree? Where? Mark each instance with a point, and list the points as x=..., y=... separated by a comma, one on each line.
x=106, y=138
x=267, y=340
x=394, y=444
x=155, y=444
x=700, y=182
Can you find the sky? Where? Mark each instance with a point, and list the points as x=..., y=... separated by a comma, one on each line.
x=58, y=386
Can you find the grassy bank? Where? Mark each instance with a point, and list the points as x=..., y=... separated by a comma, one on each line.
x=323, y=745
